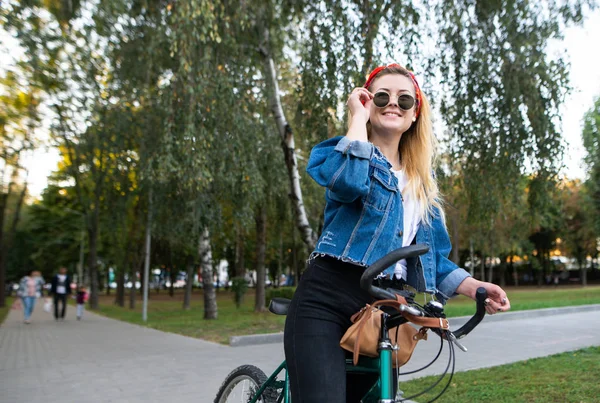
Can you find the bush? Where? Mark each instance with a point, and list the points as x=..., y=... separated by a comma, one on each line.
x=281, y=292
x=239, y=286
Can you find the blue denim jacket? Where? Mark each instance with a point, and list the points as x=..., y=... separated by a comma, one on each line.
x=364, y=216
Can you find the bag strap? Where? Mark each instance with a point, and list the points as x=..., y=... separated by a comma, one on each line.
x=365, y=313
x=437, y=323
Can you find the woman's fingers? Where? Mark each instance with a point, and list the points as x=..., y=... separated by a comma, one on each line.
x=495, y=305
x=362, y=94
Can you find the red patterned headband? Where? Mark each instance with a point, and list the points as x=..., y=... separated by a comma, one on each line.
x=418, y=97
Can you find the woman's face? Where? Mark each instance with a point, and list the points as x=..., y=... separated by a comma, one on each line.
x=391, y=118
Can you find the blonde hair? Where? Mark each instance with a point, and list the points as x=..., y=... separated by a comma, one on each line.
x=417, y=148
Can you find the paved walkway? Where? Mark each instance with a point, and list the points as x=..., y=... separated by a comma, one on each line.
x=103, y=360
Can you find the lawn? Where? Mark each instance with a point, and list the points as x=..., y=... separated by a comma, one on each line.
x=166, y=313
x=533, y=298
x=566, y=377
x=4, y=310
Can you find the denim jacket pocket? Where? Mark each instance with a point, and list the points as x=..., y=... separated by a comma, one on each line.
x=383, y=186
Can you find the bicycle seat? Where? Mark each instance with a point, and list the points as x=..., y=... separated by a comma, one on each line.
x=279, y=306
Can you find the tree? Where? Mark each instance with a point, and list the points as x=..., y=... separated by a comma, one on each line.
x=501, y=96
x=578, y=235
x=18, y=119
x=591, y=142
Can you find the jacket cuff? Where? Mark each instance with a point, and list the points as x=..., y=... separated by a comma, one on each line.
x=356, y=148
x=447, y=288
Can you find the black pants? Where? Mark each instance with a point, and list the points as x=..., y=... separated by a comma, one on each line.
x=327, y=296
x=63, y=299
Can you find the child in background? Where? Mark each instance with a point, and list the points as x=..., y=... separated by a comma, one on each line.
x=81, y=297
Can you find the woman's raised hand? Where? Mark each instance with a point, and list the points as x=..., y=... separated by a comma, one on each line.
x=359, y=103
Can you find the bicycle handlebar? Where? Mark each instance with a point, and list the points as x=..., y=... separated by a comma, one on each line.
x=366, y=283
x=366, y=280
x=480, y=297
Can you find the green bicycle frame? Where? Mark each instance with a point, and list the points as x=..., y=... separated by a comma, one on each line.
x=381, y=392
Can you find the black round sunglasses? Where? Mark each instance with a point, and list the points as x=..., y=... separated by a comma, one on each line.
x=382, y=99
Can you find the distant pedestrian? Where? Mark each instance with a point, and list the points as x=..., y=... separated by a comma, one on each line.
x=61, y=288
x=81, y=298
x=30, y=288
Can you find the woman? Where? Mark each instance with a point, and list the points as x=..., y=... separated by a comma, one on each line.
x=381, y=195
x=30, y=288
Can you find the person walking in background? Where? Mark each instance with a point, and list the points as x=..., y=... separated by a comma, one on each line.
x=81, y=297
x=30, y=288
x=61, y=288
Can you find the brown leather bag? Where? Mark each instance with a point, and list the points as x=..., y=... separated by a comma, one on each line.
x=362, y=336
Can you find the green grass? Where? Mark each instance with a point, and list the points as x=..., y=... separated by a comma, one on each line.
x=4, y=310
x=166, y=313
x=532, y=298
x=566, y=377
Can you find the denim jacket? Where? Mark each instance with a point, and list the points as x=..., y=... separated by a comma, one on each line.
x=364, y=216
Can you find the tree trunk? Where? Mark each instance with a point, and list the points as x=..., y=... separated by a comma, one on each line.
x=370, y=21
x=240, y=263
x=295, y=268
x=455, y=237
x=472, y=253
x=3, y=249
x=583, y=271
x=542, y=271
x=280, y=258
x=172, y=273
x=132, y=279
x=491, y=268
x=482, y=267
x=514, y=271
x=210, y=296
x=287, y=139
x=120, y=297
x=188, y=285
x=261, y=245
x=502, y=274
x=141, y=253
x=93, y=258
x=7, y=239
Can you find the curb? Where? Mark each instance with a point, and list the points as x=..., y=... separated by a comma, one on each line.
x=240, y=341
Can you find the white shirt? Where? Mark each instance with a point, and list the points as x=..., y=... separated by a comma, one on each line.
x=61, y=289
x=411, y=221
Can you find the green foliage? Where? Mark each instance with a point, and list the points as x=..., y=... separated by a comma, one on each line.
x=172, y=97
x=280, y=292
x=591, y=142
x=502, y=93
x=49, y=236
x=239, y=286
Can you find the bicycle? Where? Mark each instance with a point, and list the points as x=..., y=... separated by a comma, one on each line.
x=256, y=387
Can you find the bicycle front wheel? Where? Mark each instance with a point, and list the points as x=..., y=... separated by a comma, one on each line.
x=241, y=386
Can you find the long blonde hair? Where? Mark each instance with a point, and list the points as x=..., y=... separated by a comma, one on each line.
x=417, y=148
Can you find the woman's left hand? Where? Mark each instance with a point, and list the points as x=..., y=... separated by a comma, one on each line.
x=497, y=300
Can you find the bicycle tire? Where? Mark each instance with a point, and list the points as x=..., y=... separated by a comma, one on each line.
x=255, y=376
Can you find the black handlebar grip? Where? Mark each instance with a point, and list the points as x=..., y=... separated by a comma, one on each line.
x=366, y=280
x=480, y=297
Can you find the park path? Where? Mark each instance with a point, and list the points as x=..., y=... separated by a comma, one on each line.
x=104, y=360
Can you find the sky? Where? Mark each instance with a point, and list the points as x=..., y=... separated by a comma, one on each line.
x=581, y=44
